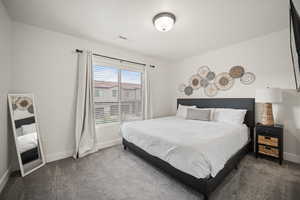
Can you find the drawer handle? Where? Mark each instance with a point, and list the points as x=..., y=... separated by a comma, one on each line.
x=268, y=148
x=267, y=138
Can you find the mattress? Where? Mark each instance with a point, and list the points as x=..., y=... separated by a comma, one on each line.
x=198, y=148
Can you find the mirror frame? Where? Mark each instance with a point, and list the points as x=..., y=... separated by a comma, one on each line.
x=23, y=173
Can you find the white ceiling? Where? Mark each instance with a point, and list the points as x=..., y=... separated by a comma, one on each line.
x=202, y=25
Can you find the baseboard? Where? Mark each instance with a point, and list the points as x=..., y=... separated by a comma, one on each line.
x=4, y=179
x=61, y=155
x=291, y=157
x=58, y=156
x=104, y=145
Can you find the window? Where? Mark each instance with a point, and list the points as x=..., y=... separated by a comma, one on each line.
x=98, y=92
x=114, y=110
x=131, y=87
x=99, y=112
x=114, y=93
x=106, y=105
x=118, y=94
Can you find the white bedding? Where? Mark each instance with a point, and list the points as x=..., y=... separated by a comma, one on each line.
x=199, y=148
x=27, y=142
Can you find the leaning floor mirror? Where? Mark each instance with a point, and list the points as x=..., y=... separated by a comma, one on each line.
x=26, y=132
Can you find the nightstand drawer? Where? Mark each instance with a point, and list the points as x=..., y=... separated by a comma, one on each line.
x=268, y=151
x=268, y=130
x=272, y=141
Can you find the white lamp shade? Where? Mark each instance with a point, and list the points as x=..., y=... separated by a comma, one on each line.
x=268, y=95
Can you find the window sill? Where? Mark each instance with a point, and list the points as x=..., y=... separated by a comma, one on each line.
x=108, y=124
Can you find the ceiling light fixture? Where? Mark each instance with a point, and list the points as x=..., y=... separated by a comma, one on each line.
x=164, y=21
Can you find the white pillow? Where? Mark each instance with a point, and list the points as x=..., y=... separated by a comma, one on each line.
x=232, y=116
x=182, y=110
x=30, y=128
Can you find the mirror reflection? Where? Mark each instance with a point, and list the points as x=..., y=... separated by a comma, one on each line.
x=26, y=133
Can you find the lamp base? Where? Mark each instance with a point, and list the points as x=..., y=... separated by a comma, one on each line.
x=267, y=117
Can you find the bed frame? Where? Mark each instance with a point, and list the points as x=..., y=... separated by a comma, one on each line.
x=206, y=185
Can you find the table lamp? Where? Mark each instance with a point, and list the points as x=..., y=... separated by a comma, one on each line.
x=268, y=96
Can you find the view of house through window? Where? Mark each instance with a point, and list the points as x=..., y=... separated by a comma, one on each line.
x=118, y=94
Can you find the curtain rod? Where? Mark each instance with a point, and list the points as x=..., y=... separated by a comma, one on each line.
x=122, y=60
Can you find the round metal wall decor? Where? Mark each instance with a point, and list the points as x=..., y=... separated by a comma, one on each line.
x=30, y=109
x=181, y=87
x=210, y=76
x=212, y=82
x=211, y=90
x=23, y=103
x=188, y=90
x=204, y=83
x=236, y=71
x=248, y=78
x=224, y=81
x=195, y=81
x=203, y=71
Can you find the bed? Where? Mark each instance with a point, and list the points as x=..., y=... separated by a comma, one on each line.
x=198, y=153
x=28, y=145
x=27, y=142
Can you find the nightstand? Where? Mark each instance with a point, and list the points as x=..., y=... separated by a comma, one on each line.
x=269, y=142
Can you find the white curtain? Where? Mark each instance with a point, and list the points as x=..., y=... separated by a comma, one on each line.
x=85, y=133
x=148, y=95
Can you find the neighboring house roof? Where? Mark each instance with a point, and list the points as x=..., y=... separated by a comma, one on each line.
x=107, y=84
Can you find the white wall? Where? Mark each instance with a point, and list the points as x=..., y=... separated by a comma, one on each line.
x=297, y=5
x=44, y=63
x=5, y=62
x=269, y=58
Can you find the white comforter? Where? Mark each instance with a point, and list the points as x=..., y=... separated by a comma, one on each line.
x=198, y=148
x=27, y=142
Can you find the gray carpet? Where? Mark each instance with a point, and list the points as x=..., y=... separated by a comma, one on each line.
x=114, y=174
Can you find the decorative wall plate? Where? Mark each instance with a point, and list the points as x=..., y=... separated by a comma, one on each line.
x=248, y=78
x=210, y=76
x=23, y=103
x=211, y=90
x=203, y=71
x=30, y=109
x=236, y=71
x=181, y=87
x=195, y=81
x=224, y=81
x=188, y=90
x=204, y=83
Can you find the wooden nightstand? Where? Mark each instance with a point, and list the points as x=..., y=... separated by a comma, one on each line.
x=269, y=141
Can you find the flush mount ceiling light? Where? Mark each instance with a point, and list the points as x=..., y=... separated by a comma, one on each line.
x=164, y=21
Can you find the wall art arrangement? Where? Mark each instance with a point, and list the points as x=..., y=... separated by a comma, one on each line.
x=212, y=82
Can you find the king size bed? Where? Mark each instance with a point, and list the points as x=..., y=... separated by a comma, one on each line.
x=197, y=153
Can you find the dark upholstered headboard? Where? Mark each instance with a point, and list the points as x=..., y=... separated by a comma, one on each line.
x=25, y=121
x=236, y=103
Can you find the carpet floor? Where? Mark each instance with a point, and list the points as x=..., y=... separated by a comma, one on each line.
x=115, y=174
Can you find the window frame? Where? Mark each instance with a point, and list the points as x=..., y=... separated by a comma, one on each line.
x=120, y=65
